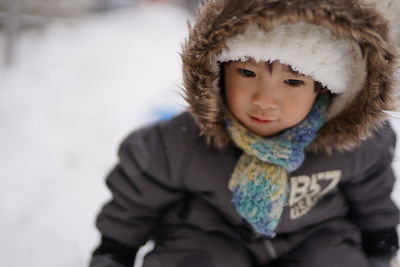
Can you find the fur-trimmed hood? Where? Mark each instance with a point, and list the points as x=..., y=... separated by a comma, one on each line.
x=353, y=115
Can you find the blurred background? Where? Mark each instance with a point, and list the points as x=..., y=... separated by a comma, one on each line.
x=76, y=77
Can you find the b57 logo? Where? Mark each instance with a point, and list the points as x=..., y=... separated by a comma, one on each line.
x=305, y=191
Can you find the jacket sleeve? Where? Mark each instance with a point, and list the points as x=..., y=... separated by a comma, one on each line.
x=142, y=187
x=369, y=193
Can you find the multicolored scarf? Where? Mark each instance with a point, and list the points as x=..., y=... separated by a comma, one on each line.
x=259, y=180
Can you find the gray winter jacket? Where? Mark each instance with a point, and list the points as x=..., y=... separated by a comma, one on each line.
x=168, y=177
x=174, y=175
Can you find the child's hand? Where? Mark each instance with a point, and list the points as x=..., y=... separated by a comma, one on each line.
x=394, y=263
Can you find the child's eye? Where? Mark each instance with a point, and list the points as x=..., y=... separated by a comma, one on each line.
x=246, y=73
x=294, y=83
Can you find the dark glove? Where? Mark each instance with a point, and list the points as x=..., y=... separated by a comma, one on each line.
x=112, y=253
x=380, y=243
x=105, y=261
x=380, y=246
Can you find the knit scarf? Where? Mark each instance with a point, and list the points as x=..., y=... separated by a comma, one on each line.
x=259, y=181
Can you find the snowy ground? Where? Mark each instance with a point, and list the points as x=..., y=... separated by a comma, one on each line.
x=73, y=94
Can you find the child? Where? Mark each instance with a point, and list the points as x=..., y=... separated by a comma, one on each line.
x=285, y=157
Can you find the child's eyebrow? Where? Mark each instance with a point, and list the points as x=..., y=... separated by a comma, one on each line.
x=284, y=68
x=252, y=62
x=289, y=70
x=292, y=72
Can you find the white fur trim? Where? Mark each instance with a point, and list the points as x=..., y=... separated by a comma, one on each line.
x=308, y=48
x=358, y=77
x=397, y=78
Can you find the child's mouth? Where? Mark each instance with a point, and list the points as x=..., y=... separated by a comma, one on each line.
x=260, y=121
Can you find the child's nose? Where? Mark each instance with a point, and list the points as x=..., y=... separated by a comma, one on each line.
x=265, y=98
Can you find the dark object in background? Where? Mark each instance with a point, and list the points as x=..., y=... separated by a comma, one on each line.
x=108, y=5
x=11, y=25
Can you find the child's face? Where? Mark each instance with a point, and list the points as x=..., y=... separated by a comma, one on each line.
x=267, y=98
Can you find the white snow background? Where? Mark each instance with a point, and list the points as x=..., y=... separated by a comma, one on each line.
x=73, y=94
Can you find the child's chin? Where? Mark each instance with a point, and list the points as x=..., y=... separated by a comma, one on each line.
x=264, y=132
